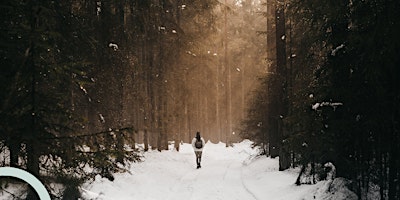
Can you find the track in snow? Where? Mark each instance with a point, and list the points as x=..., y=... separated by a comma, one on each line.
x=216, y=179
x=173, y=175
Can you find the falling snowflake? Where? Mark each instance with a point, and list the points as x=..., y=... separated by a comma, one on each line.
x=102, y=120
x=114, y=46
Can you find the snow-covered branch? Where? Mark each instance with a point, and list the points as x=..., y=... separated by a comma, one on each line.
x=334, y=105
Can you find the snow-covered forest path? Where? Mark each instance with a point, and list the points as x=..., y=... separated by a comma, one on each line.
x=226, y=173
x=219, y=179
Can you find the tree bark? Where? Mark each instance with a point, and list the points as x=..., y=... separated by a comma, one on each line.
x=284, y=156
x=14, y=147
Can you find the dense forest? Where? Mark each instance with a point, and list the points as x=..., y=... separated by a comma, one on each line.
x=332, y=93
x=314, y=83
x=83, y=81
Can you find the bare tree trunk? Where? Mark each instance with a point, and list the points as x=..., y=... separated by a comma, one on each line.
x=32, y=157
x=146, y=140
x=32, y=148
x=271, y=56
x=14, y=147
x=393, y=170
x=284, y=155
x=298, y=181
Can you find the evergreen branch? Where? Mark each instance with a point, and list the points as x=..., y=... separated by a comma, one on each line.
x=88, y=135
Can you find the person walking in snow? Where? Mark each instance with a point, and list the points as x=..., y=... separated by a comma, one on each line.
x=198, y=145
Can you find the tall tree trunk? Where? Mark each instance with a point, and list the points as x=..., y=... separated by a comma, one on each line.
x=272, y=99
x=31, y=145
x=120, y=72
x=284, y=155
x=227, y=67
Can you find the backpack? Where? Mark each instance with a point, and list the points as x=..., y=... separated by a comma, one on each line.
x=198, y=144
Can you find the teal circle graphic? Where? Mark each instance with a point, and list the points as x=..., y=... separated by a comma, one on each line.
x=27, y=177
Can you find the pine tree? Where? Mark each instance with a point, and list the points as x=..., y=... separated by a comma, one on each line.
x=354, y=65
x=44, y=71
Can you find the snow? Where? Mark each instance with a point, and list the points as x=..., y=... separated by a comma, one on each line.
x=83, y=89
x=331, y=104
x=113, y=46
x=235, y=172
x=227, y=173
x=333, y=53
x=102, y=120
x=332, y=190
